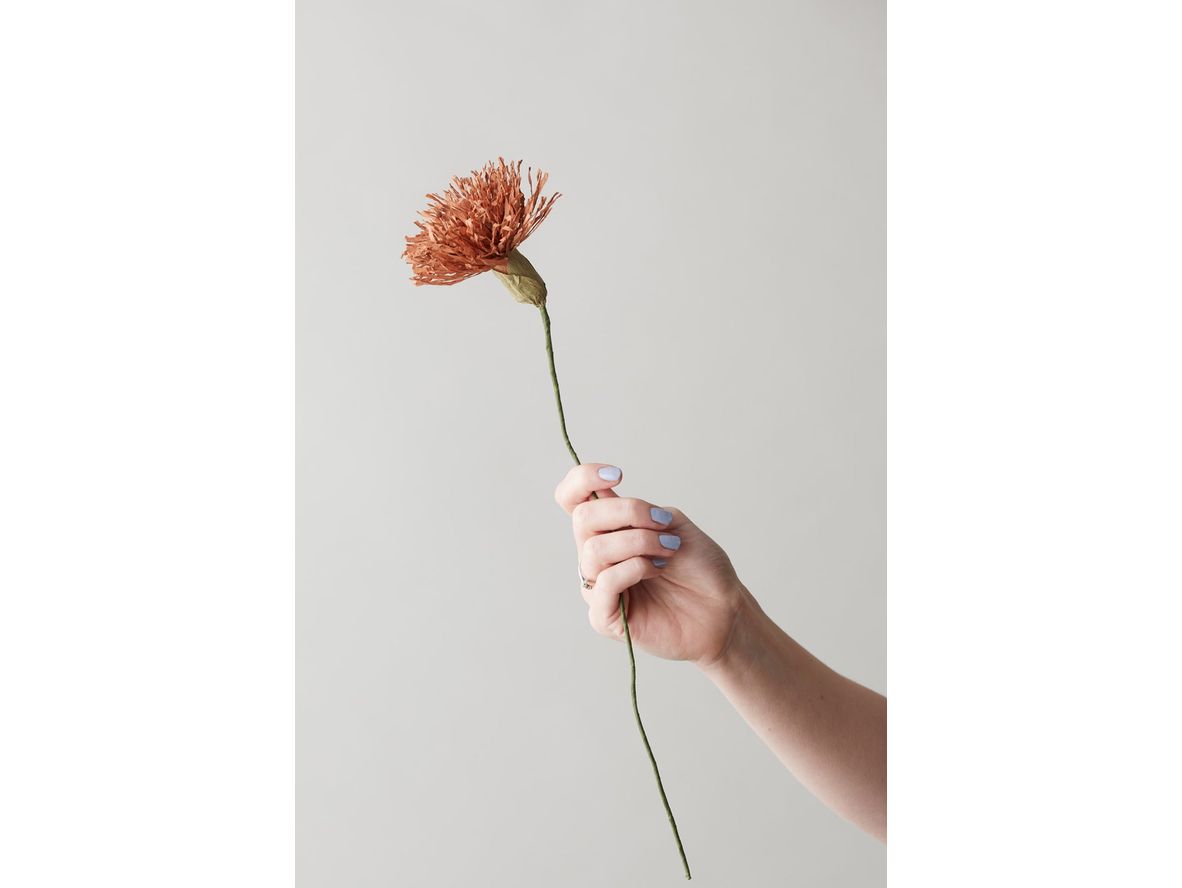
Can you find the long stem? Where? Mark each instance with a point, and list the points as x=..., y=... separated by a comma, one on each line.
x=554, y=379
x=623, y=610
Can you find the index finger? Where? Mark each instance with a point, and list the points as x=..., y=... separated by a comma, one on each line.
x=581, y=481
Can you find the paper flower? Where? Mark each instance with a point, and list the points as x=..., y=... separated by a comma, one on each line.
x=476, y=225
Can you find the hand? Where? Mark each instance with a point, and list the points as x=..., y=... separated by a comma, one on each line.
x=681, y=592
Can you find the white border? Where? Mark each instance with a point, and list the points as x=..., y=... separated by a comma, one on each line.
x=146, y=508
x=1035, y=445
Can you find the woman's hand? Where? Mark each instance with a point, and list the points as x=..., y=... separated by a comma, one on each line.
x=685, y=603
x=681, y=592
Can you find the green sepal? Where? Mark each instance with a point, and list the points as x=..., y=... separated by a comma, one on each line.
x=523, y=281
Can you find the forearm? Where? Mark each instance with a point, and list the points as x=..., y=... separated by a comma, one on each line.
x=827, y=730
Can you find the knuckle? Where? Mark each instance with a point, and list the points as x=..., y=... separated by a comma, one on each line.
x=580, y=514
x=593, y=550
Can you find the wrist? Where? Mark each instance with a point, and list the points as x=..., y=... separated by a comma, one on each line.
x=747, y=636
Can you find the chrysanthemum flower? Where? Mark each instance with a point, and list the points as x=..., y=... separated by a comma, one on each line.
x=477, y=224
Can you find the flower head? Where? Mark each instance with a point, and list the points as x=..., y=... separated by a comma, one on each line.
x=476, y=224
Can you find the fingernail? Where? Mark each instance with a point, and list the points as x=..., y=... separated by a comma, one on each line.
x=660, y=515
x=670, y=540
x=659, y=562
x=609, y=473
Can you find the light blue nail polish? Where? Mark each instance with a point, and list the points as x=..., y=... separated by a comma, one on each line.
x=670, y=540
x=660, y=515
x=609, y=473
x=659, y=562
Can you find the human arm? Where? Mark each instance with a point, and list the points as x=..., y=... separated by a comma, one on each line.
x=685, y=602
x=829, y=731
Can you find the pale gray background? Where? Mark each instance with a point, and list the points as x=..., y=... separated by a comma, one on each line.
x=717, y=283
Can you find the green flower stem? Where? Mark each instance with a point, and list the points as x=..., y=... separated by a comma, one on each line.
x=554, y=379
x=623, y=611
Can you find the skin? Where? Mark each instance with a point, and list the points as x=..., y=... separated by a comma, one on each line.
x=829, y=731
